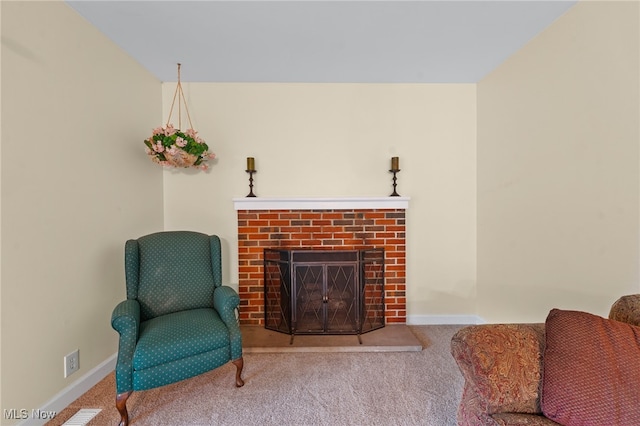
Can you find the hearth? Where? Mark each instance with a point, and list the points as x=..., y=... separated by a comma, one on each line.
x=324, y=291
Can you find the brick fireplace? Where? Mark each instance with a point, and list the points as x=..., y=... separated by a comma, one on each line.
x=325, y=224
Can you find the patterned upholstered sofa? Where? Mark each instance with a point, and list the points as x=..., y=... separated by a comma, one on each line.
x=507, y=381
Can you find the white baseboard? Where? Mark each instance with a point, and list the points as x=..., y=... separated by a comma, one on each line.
x=444, y=319
x=75, y=390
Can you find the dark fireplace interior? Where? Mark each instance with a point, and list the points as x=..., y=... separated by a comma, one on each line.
x=324, y=292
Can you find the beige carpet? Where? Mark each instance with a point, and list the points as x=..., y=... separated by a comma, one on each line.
x=303, y=388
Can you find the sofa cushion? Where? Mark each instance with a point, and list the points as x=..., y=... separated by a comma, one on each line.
x=626, y=309
x=501, y=365
x=591, y=370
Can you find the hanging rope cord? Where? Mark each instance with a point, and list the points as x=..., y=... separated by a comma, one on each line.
x=180, y=94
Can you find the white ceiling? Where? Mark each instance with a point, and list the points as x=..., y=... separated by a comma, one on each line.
x=321, y=41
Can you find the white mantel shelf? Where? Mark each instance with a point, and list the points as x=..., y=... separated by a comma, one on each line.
x=342, y=203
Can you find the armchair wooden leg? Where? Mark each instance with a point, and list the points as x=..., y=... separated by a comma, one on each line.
x=121, y=405
x=239, y=363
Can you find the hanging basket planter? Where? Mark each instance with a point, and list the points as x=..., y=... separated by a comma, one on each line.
x=171, y=147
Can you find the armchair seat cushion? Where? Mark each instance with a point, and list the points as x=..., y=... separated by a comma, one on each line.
x=179, y=335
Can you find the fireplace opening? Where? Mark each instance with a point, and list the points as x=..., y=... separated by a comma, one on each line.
x=324, y=292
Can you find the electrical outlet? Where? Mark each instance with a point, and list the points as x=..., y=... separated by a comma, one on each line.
x=72, y=363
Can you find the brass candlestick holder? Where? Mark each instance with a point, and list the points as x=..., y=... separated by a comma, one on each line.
x=251, y=169
x=251, y=172
x=394, y=171
x=395, y=168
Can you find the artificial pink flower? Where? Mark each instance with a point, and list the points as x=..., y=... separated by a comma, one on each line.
x=158, y=131
x=169, y=130
x=181, y=142
x=158, y=147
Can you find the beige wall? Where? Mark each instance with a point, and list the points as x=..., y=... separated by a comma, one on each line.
x=75, y=185
x=558, y=174
x=318, y=140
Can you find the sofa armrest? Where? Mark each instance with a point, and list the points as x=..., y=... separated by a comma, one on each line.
x=626, y=309
x=225, y=302
x=125, y=319
x=502, y=368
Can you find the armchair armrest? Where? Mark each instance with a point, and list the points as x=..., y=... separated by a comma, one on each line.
x=125, y=319
x=225, y=302
x=125, y=316
x=501, y=365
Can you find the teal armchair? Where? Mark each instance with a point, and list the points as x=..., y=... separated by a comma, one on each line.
x=178, y=321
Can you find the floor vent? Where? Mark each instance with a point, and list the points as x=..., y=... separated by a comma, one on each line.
x=82, y=417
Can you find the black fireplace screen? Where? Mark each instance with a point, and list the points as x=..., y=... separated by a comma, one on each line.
x=324, y=292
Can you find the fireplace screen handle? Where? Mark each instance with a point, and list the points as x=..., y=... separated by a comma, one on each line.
x=325, y=299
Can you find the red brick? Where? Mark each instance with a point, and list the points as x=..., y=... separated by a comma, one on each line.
x=268, y=215
x=331, y=215
x=290, y=215
x=279, y=222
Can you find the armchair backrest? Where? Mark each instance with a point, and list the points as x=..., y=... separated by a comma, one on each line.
x=172, y=271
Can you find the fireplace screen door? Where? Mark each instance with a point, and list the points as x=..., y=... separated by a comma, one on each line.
x=324, y=292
